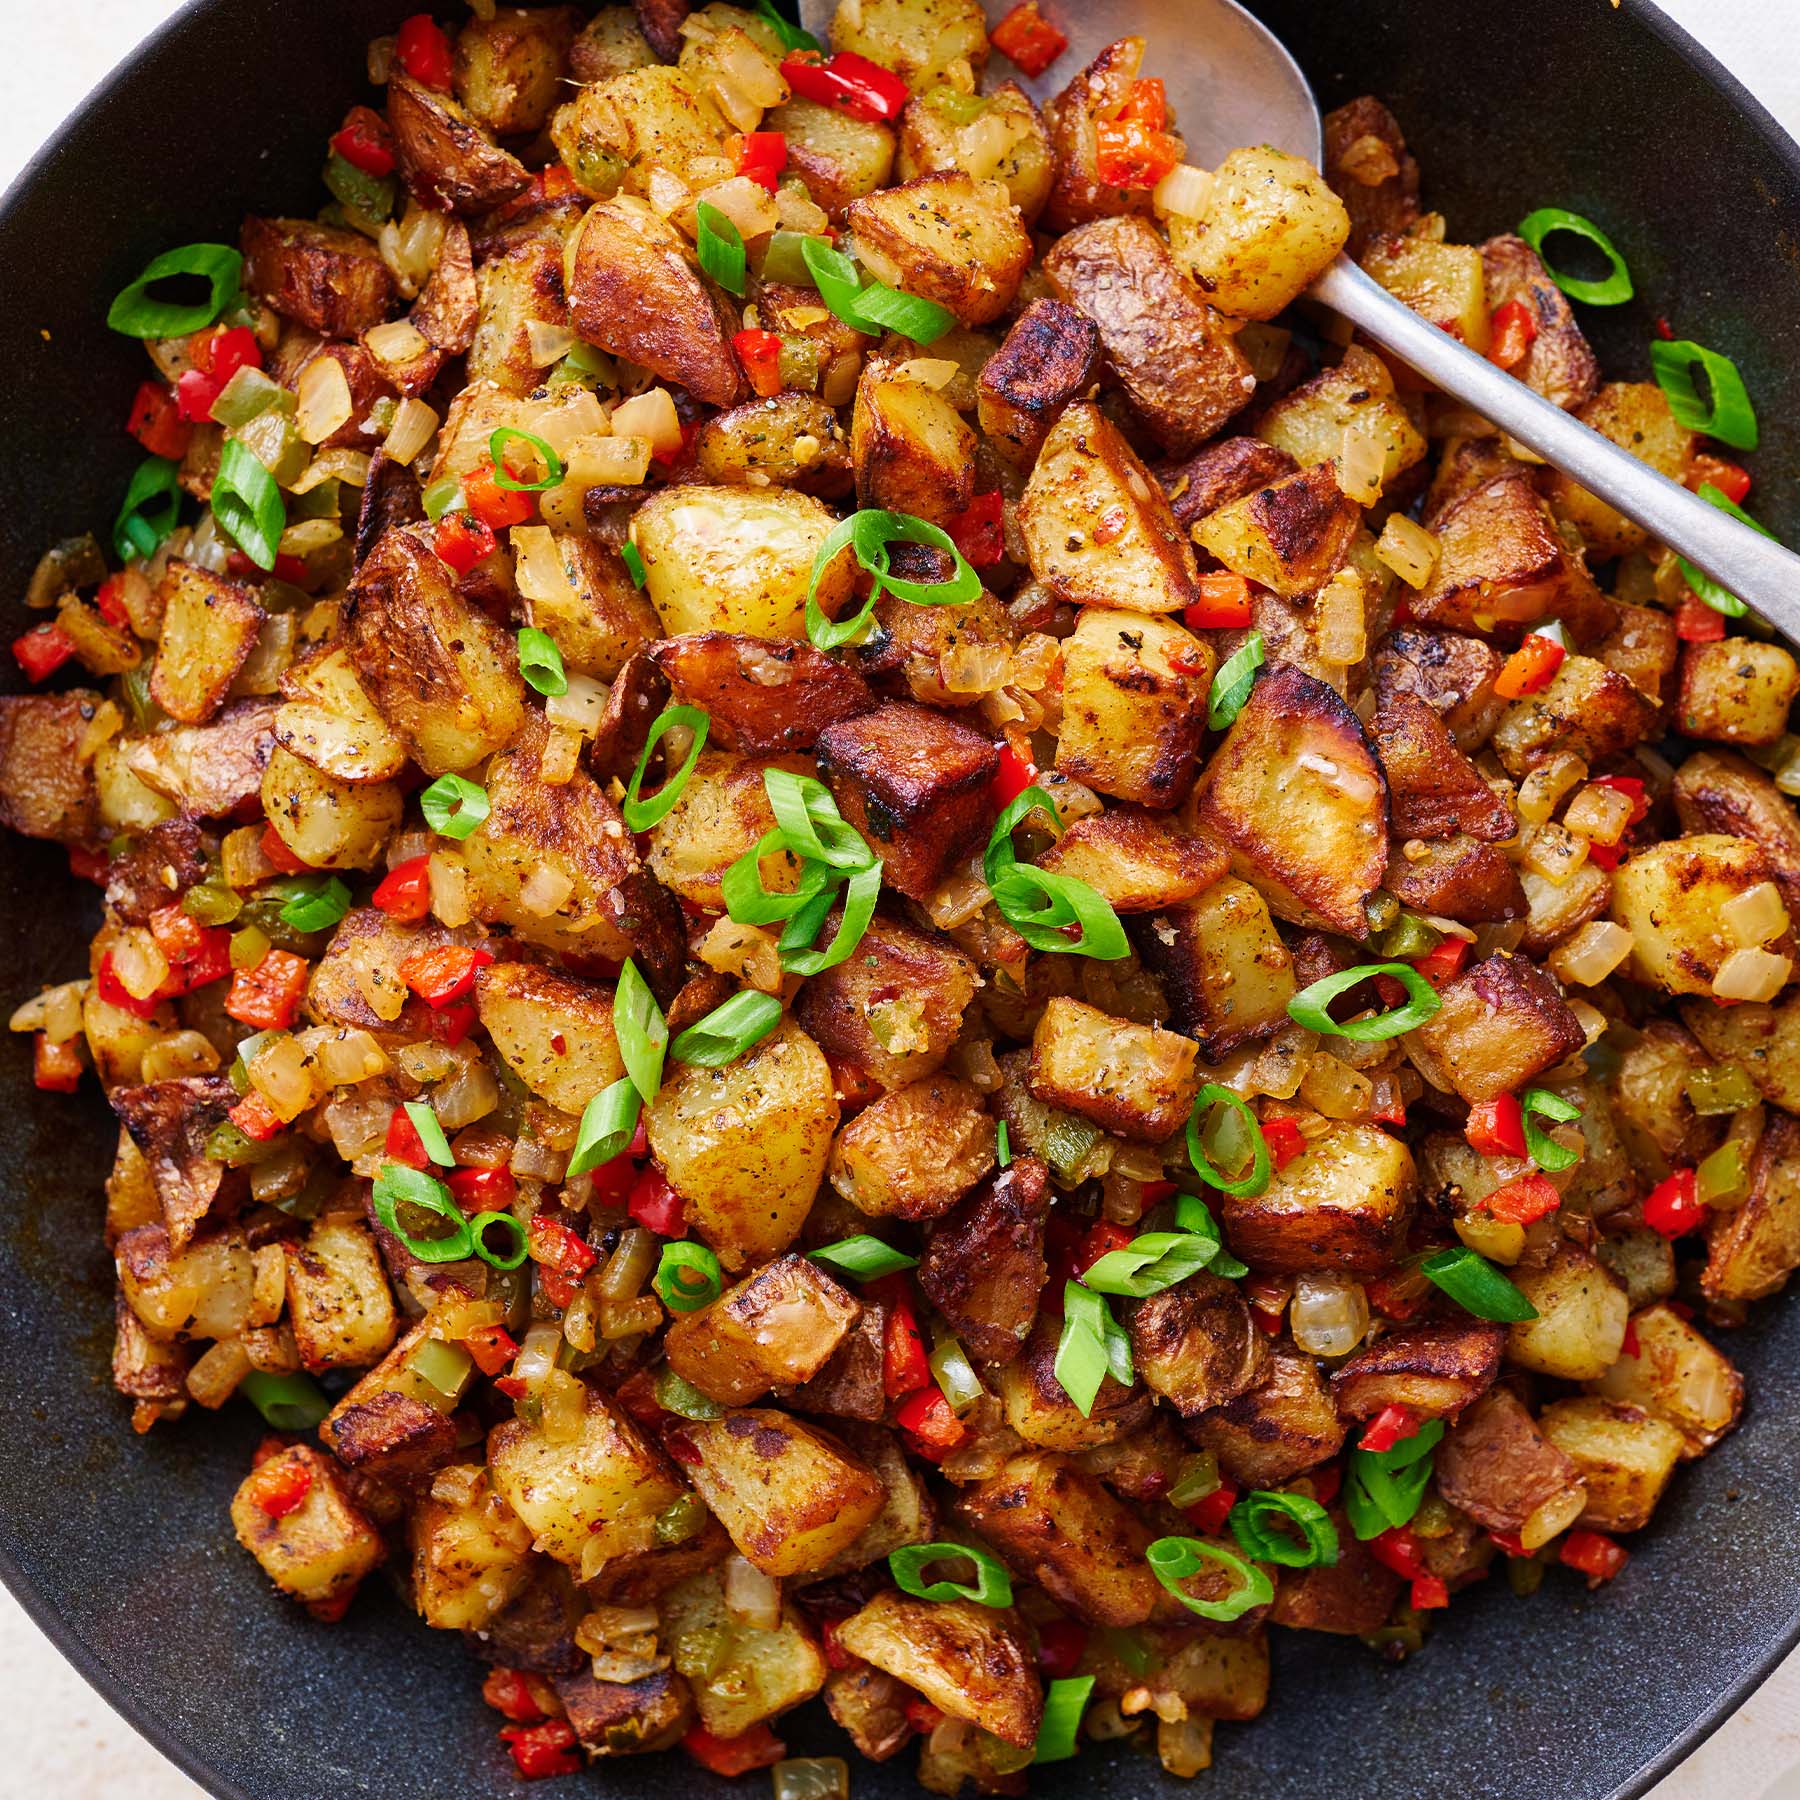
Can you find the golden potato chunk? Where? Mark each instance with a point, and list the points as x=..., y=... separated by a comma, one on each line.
x=1135, y=860
x=937, y=132
x=1736, y=691
x=913, y=1153
x=327, y=823
x=1342, y=1203
x=1678, y=1376
x=1195, y=1344
x=741, y=1674
x=321, y=1549
x=1719, y=791
x=579, y=591
x=1635, y=415
x=1291, y=536
x=1279, y=1429
x=1356, y=397
x=1581, y=1317
x=1444, y=283
x=209, y=626
x=325, y=277
x=775, y=1329
x=917, y=39
x=912, y=450
x=1500, y=1022
x=723, y=811
x=1135, y=1081
x=327, y=720
x=554, y=1030
x=946, y=237
x=339, y=1301
x=839, y=157
x=509, y=68
x=1753, y=1249
x=1050, y=357
x=468, y=1560
x=1039, y=1409
x=1500, y=1468
x=1624, y=1456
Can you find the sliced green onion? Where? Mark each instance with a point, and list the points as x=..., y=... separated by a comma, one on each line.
x=748, y=902
x=860, y=894
x=1149, y=1263
x=541, y=663
x=838, y=280
x=993, y=1585
x=642, y=1031
x=721, y=248
x=728, y=1031
x=1003, y=1144
x=1193, y=1214
x=682, y=1398
x=1065, y=1700
x=634, y=564
x=924, y=321
x=454, y=805
x=688, y=1277
x=1309, y=1006
x=444, y=496
x=1614, y=290
x=1720, y=599
x=1173, y=1560
x=863, y=1258
x=809, y=816
x=286, y=1402
x=1257, y=1179
x=134, y=313
x=1730, y=418
x=608, y=1124
x=507, y=1226
x=1383, y=1488
x=1477, y=1286
x=792, y=36
x=1091, y=1347
x=395, y=1186
x=314, y=902
x=640, y=814
x=140, y=528
x=1265, y=1525
x=1067, y=905
x=953, y=1372
x=248, y=504
x=1231, y=686
x=868, y=534
x=503, y=476
x=1543, y=1149
x=431, y=1133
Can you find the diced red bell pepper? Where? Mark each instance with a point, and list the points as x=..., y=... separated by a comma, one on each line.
x=977, y=531
x=1027, y=39
x=156, y=422
x=655, y=1205
x=403, y=1142
x=463, y=540
x=512, y=1386
x=1428, y=1593
x=1632, y=787
x=760, y=353
x=905, y=1368
x=552, y=1243
x=927, y=1419
x=178, y=934
x=855, y=1089
x=756, y=1748
x=1628, y=1345
x=1497, y=1127
x=1132, y=149
x=423, y=52
x=1443, y=960
x=509, y=1694
x=1327, y=1481
x=1102, y=1237
x=89, y=865
x=921, y=1715
x=1284, y=1141
x=492, y=1347
x=543, y=1750
x=1060, y=1644
x=853, y=84
x=42, y=650
x=256, y=1118
x=1224, y=603
x=1399, y=1293
x=274, y=846
x=761, y=155
x=1698, y=623
x=287, y=568
x=1209, y=1514
x=836, y=1656
x=284, y=1490
x=115, y=993
x=55, y=1067
x=1510, y=1544
x=1529, y=669
x=482, y=1190
x=1012, y=777
x=404, y=892
x=363, y=142
x=492, y=504
x=1714, y=471
x=1597, y=1556
x=1673, y=1207
x=216, y=356
x=1524, y=1200
x=269, y=995
x=1398, y=1549
x=445, y=973
x=1515, y=330
x=1392, y=1425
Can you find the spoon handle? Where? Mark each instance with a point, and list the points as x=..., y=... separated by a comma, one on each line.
x=1761, y=572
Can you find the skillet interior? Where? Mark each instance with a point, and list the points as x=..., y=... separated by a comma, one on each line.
x=121, y=1547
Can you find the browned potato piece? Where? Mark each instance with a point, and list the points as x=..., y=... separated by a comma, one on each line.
x=1349, y=1598
x=1366, y=161
x=1039, y=1410
x=1587, y=710
x=1643, y=647
x=1553, y=913
x=1636, y=416
x=338, y=1298
x=869, y=1707
x=1763, y=1040
x=1214, y=1677
x=1223, y=471
x=170, y=1121
x=321, y=1549
x=912, y=450
x=918, y=39
x=741, y=1674
x=626, y=1718
x=1277, y=1430
x=969, y=1661
x=383, y=1433
x=915, y=784
x=509, y=68
x=1462, y=879
x=1291, y=536
x=1624, y=1455
x=1434, y=791
x=1074, y=117
x=1342, y=1203
x=1735, y=691
x=468, y=1560
x=946, y=237
x=46, y=789
x=722, y=812
x=1179, y=365
x=327, y=823
x=914, y=1153
x=329, y=722
x=327, y=278
x=778, y=1327
x=1135, y=860
x=1059, y=1527
x=1050, y=357
x=1309, y=422
x=580, y=592
x=983, y=1267
x=634, y=289
x=1098, y=530
x=210, y=625
x=1718, y=791
x=762, y=696
x=936, y=133
x=1558, y=362
x=147, y=1371
x=908, y=1514
x=1195, y=1344
x=609, y=44
x=1453, y=675
x=1679, y=1376
x=1436, y=1367
x=555, y=1031
x=1132, y=1080
x=1298, y=794
x=790, y=1496
x=790, y=438
x=516, y=290
x=1441, y=282
x=1500, y=1469
x=446, y=157
x=1501, y=1022
x=1581, y=1317
x=439, y=671
x=894, y=1009
x=840, y=158
x=1753, y=1249
x=613, y=135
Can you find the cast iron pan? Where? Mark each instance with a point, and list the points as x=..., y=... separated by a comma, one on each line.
x=120, y=1547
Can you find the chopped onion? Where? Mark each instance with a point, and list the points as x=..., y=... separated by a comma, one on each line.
x=1329, y=1314
x=1587, y=958
x=305, y=536
x=811, y=1778
x=215, y=1376
x=449, y=876
x=1499, y=1240
x=344, y=1057
x=325, y=405
x=958, y=898
x=1754, y=916
x=138, y=963
x=1265, y=347
x=1361, y=464
x=1184, y=1746
x=1556, y=1515
x=547, y=888
x=180, y=1053
x=1541, y=792
x=582, y=707
x=649, y=415
x=564, y=1401
x=56, y=1012
x=285, y=1076
x=557, y=765
x=1369, y=160
x=1186, y=192
x=414, y=423
x=1340, y=619
x=746, y=203
x=966, y=668
x=984, y=143
x=1752, y=975
x=1599, y=814
x=1408, y=549
x=470, y=1094
x=1331, y=1087
x=357, y=1122
x=570, y=416
x=1554, y=853
x=929, y=371
x=397, y=342
x=547, y=342
x=751, y=1597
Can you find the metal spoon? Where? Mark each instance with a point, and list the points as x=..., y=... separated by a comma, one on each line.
x=1232, y=83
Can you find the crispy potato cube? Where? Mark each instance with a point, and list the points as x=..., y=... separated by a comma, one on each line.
x=1558, y=362
x=1763, y=1040
x=791, y=438
x=1310, y=422
x=838, y=156
x=1175, y=357
x=1135, y=860
x=1367, y=163
x=778, y=1327
x=468, y=1561
x=1195, y=1345
x=509, y=68
x=869, y=1707
x=579, y=591
x=1279, y=1429
x=1050, y=357
x=983, y=1266
x=446, y=157
x=1214, y=1677
x=1098, y=530
x=326, y=277
x=1719, y=791
x=1298, y=794
x=1753, y=1249
x=1581, y=1317
x=915, y=784
x=762, y=697
x=210, y=624
x=1642, y=1262
x=626, y=1718
x=908, y=1514
x=207, y=770
x=47, y=790
x=1501, y=1022
x=1060, y=1527
x=1434, y=791
x=917, y=39
x=604, y=1489
x=205, y=1289
x=613, y=133
x=913, y=1153
x=1624, y=1455
x=946, y=237
x=338, y=1297
x=746, y=1145
x=740, y=1674
x=1135, y=1081
x=554, y=1030
x=1453, y=675
x=1074, y=117
x=1587, y=710
x=1436, y=1367
x=969, y=1661
x=170, y=1122
x=1444, y=283
x=327, y=823
x=1041, y=1412
x=935, y=134
x=1291, y=536
x=1272, y=226
x=1735, y=691
x=327, y=720
x=1649, y=1095
x=913, y=452
x=1342, y=1203
x=320, y=1550
x=1635, y=415
x=1679, y=1376
x=1134, y=705
x=722, y=812
x=1668, y=897
x=608, y=44
x=790, y=1496
x=1348, y=1598
x=1643, y=647
x=1500, y=1468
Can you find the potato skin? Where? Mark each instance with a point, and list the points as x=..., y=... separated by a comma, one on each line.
x=1291, y=536
x=1498, y=1466
x=1195, y=1344
x=1349, y=1598
x=46, y=790
x=763, y=697
x=1434, y=791
x=913, y=1153
x=983, y=1266
x=509, y=68
x=1040, y=1411
x=1343, y=1203
x=1437, y=1368
x=1558, y=363
x=1134, y=860
x=1501, y=1022
x=1050, y=356
x=325, y=277
x=790, y=438
x=913, y=453
x=1453, y=675
x=1588, y=710
x=1277, y=1430
x=1381, y=199
x=1133, y=1080
x=1077, y=194
x=447, y=159
x=1753, y=1249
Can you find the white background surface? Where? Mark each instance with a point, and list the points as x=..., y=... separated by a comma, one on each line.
x=57, y=1737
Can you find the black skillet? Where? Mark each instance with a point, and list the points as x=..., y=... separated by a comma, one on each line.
x=120, y=1547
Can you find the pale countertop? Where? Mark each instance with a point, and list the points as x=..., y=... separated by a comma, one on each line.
x=57, y=1737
